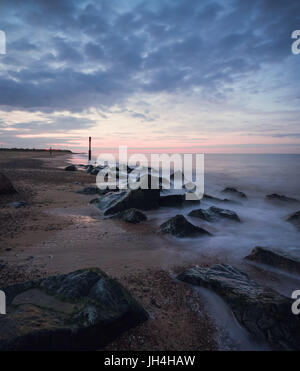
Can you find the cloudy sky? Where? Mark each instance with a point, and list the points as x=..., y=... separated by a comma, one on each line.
x=162, y=75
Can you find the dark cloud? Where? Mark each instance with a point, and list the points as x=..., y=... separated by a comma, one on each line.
x=56, y=125
x=73, y=55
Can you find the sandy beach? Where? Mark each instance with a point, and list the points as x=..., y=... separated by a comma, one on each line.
x=59, y=232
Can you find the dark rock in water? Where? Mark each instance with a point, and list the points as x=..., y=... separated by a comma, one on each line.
x=94, y=171
x=71, y=168
x=223, y=213
x=90, y=168
x=6, y=187
x=19, y=204
x=282, y=259
x=151, y=181
x=295, y=219
x=207, y=197
x=82, y=310
x=178, y=226
x=202, y=214
x=266, y=314
x=276, y=197
x=143, y=199
x=171, y=199
x=214, y=214
x=131, y=216
x=234, y=192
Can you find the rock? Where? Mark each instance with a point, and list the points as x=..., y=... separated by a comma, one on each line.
x=294, y=218
x=94, y=171
x=276, y=197
x=178, y=226
x=89, y=169
x=82, y=310
x=224, y=213
x=131, y=216
x=19, y=204
x=71, y=168
x=207, y=197
x=6, y=187
x=148, y=179
x=266, y=314
x=143, y=199
x=202, y=214
x=234, y=192
x=214, y=214
x=278, y=258
x=171, y=198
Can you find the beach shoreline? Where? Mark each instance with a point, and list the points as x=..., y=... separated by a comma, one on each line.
x=59, y=232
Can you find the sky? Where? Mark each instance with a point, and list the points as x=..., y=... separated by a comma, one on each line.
x=203, y=76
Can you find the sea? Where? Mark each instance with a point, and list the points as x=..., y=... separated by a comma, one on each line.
x=263, y=222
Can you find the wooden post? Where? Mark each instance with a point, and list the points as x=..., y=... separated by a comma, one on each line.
x=90, y=149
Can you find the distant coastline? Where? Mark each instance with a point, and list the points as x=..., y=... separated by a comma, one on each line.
x=35, y=150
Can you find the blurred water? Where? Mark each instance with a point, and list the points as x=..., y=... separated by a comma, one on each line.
x=263, y=223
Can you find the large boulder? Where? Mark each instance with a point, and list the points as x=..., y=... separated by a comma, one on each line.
x=214, y=213
x=143, y=199
x=171, y=198
x=178, y=226
x=234, y=192
x=294, y=219
x=82, y=310
x=266, y=314
x=281, y=198
x=278, y=258
x=6, y=187
x=133, y=216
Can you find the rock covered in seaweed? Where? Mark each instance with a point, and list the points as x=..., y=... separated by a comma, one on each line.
x=82, y=310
